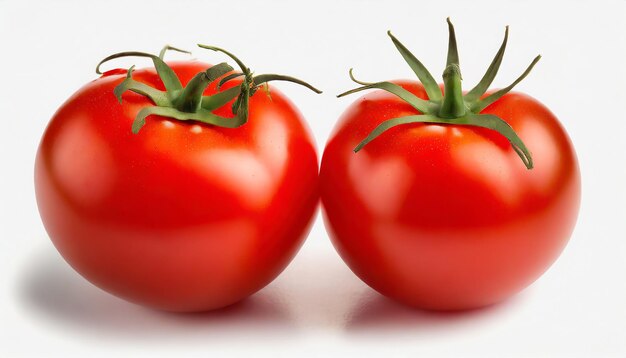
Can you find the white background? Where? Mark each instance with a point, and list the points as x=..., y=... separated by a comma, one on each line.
x=317, y=307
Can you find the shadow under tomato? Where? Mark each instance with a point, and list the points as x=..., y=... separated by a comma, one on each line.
x=52, y=290
x=375, y=312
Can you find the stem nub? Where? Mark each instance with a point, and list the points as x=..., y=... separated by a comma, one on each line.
x=452, y=105
x=191, y=97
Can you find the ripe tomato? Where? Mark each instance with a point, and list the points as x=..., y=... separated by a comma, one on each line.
x=181, y=216
x=444, y=215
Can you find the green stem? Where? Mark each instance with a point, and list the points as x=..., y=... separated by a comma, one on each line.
x=191, y=97
x=453, y=105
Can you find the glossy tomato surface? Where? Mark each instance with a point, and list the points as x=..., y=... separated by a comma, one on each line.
x=447, y=217
x=181, y=216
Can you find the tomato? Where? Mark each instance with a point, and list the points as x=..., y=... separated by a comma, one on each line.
x=183, y=215
x=444, y=215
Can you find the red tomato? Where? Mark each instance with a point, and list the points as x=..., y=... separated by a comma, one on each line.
x=182, y=216
x=446, y=216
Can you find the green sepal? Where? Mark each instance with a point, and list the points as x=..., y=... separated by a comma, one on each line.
x=390, y=123
x=453, y=53
x=168, y=76
x=240, y=106
x=481, y=104
x=171, y=48
x=201, y=115
x=479, y=120
x=499, y=125
x=430, y=85
x=261, y=79
x=416, y=102
x=484, y=83
x=217, y=71
x=228, y=78
x=158, y=97
x=219, y=99
x=239, y=63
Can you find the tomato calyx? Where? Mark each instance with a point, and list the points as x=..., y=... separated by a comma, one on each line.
x=189, y=103
x=451, y=106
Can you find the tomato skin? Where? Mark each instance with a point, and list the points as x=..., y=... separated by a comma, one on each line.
x=447, y=217
x=181, y=216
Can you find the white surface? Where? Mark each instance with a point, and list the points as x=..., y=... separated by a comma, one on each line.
x=317, y=306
